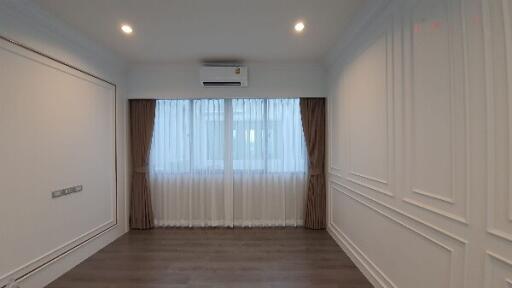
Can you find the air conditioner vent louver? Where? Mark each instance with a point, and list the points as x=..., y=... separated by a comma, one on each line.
x=223, y=75
x=220, y=84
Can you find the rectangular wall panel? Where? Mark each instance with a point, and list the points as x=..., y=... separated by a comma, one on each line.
x=498, y=271
x=368, y=131
x=440, y=75
x=499, y=79
x=436, y=108
x=366, y=127
x=439, y=256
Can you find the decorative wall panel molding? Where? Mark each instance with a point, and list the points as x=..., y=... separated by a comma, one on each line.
x=498, y=271
x=498, y=46
x=442, y=188
x=372, y=138
x=436, y=109
x=454, y=247
x=372, y=271
x=447, y=77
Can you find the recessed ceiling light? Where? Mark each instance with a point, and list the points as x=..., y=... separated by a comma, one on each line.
x=299, y=26
x=127, y=29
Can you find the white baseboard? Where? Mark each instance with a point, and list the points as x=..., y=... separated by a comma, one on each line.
x=53, y=270
x=373, y=275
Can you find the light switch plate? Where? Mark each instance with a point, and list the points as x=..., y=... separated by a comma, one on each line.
x=66, y=191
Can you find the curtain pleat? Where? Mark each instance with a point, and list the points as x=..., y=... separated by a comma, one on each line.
x=313, y=122
x=269, y=162
x=142, y=119
x=187, y=163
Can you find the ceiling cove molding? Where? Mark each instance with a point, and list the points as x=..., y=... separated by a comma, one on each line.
x=360, y=21
x=32, y=13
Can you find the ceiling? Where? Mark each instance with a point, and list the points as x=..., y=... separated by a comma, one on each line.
x=199, y=30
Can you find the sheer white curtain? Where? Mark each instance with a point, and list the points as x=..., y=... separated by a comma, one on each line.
x=269, y=161
x=228, y=162
x=187, y=164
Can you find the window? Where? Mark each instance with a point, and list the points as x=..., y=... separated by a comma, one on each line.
x=189, y=135
x=249, y=134
x=267, y=135
x=170, y=150
x=228, y=162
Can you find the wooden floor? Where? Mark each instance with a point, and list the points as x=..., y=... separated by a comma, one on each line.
x=217, y=258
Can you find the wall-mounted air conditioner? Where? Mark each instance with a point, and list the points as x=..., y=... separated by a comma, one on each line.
x=225, y=75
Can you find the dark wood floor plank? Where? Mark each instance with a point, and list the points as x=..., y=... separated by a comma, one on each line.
x=206, y=258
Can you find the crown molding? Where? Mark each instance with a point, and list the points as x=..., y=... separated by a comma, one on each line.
x=42, y=22
x=358, y=24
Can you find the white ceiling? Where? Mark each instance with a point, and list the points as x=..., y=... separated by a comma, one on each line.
x=196, y=30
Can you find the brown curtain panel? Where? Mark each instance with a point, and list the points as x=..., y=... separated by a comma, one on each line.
x=312, y=112
x=142, y=122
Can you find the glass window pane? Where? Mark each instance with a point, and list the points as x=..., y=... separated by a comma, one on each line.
x=208, y=134
x=267, y=135
x=170, y=149
x=286, y=146
x=249, y=134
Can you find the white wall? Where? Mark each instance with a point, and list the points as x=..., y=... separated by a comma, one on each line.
x=420, y=137
x=24, y=22
x=175, y=81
